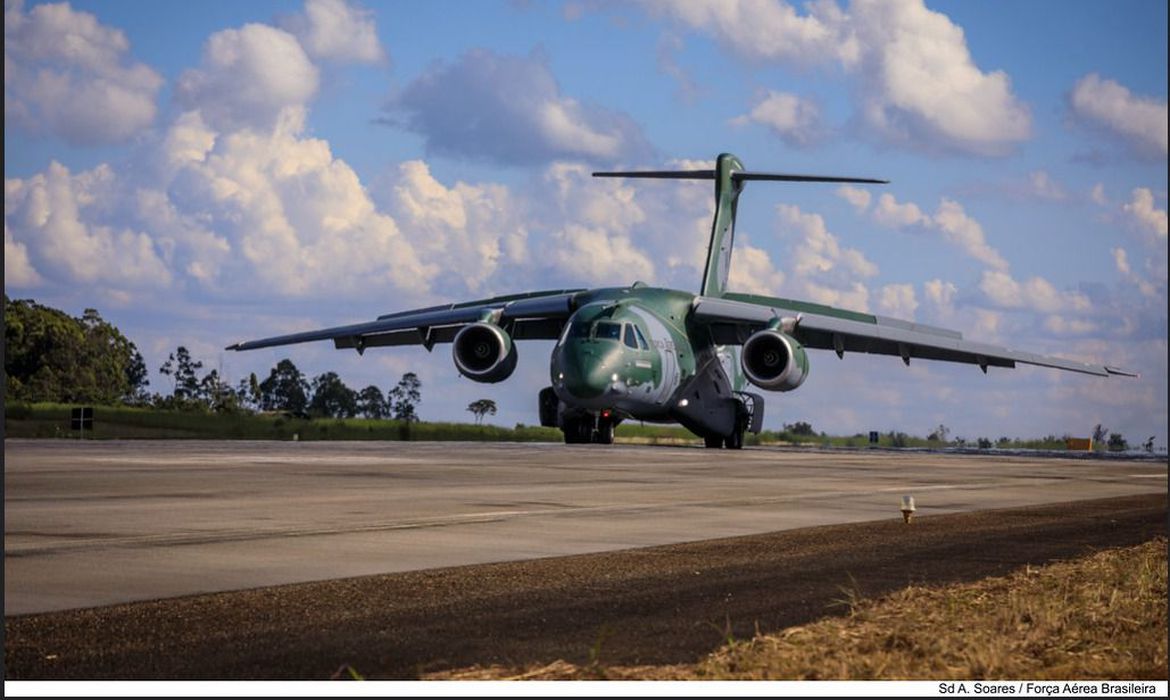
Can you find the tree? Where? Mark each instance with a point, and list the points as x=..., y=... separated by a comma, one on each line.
x=480, y=408
x=1148, y=445
x=51, y=356
x=285, y=389
x=1117, y=442
x=371, y=403
x=248, y=392
x=404, y=397
x=332, y=398
x=940, y=434
x=1099, y=434
x=181, y=369
x=799, y=428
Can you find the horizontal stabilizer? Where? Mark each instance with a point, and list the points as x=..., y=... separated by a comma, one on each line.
x=738, y=175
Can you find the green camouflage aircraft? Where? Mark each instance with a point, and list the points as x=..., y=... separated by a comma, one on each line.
x=666, y=355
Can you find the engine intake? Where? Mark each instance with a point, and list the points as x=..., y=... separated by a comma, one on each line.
x=773, y=360
x=484, y=352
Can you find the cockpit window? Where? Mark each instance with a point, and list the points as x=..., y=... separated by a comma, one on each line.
x=608, y=331
x=578, y=329
x=628, y=338
x=641, y=339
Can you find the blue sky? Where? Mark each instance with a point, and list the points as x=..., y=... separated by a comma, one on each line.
x=209, y=172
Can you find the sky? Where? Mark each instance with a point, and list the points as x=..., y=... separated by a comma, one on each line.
x=205, y=173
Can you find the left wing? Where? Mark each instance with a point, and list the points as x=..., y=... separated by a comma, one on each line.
x=531, y=316
x=732, y=318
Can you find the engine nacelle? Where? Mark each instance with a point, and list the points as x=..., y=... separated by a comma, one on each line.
x=484, y=352
x=773, y=360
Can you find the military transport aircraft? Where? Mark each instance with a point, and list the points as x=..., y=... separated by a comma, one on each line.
x=666, y=355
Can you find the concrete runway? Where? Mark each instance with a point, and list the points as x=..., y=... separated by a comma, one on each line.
x=97, y=523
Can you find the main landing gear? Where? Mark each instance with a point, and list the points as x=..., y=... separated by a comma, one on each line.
x=586, y=429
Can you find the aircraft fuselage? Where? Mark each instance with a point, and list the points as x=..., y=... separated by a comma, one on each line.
x=632, y=353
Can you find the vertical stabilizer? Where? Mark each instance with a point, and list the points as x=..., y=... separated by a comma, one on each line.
x=729, y=177
x=727, y=189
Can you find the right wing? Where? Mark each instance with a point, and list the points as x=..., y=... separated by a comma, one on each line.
x=530, y=316
x=732, y=318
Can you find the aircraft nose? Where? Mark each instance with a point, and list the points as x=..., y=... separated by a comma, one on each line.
x=584, y=371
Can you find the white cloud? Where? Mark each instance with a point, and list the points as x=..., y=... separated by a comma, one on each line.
x=796, y=120
x=67, y=75
x=1139, y=121
x=590, y=255
x=18, y=271
x=753, y=272
x=917, y=82
x=337, y=30
x=250, y=77
x=941, y=295
x=889, y=213
x=470, y=228
x=858, y=197
x=521, y=116
x=817, y=251
x=1059, y=325
x=1041, y=185
x=1144, y=213
x=966, y=233
x=63, y=220
x=898, y=300
x=1121, y=260
x=1036, y=294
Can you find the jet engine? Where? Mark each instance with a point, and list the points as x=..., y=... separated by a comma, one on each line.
x=484, y=352
x=773, y=360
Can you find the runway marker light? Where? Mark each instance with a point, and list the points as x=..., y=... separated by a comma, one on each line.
x=907, y=508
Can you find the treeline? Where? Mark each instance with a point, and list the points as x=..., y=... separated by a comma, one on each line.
x=53, y=357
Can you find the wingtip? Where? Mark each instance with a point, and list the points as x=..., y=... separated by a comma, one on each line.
x=233, y=346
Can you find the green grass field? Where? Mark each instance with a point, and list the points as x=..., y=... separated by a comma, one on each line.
x=47, y=420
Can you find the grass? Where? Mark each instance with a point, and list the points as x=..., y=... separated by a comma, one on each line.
x=44, y=420
x=1101, y=617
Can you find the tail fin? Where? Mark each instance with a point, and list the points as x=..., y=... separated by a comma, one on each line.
x=729, y=177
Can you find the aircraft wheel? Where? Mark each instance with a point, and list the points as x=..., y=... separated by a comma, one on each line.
x=735, y=440
x=604, y=434
x=713, y=442
x=576, y=431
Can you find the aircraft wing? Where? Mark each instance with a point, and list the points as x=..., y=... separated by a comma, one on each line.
x=732, y=318
x=532, y=316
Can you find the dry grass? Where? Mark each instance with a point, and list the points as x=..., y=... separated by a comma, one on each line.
x=1100, y=617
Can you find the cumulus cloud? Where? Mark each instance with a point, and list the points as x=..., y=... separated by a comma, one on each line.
x=753, y=272
x=822, y=270
x=898, y=300
x=250, y=77
x=1036, y=294
x=858, y=197
x=917, y=82
x=68, y=75
x=796, y=120
x=941, y=295
x=18, y=271
x=1121, y=260
x=1138, y=121
x=470, y=228
x=950, y=219
x=1144, y=214
x=888, y=212
x=966, y=233
x=337, y=30
x=63, y=220
x=509, y=109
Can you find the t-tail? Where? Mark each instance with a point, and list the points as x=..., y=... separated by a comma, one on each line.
x=729, y=177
